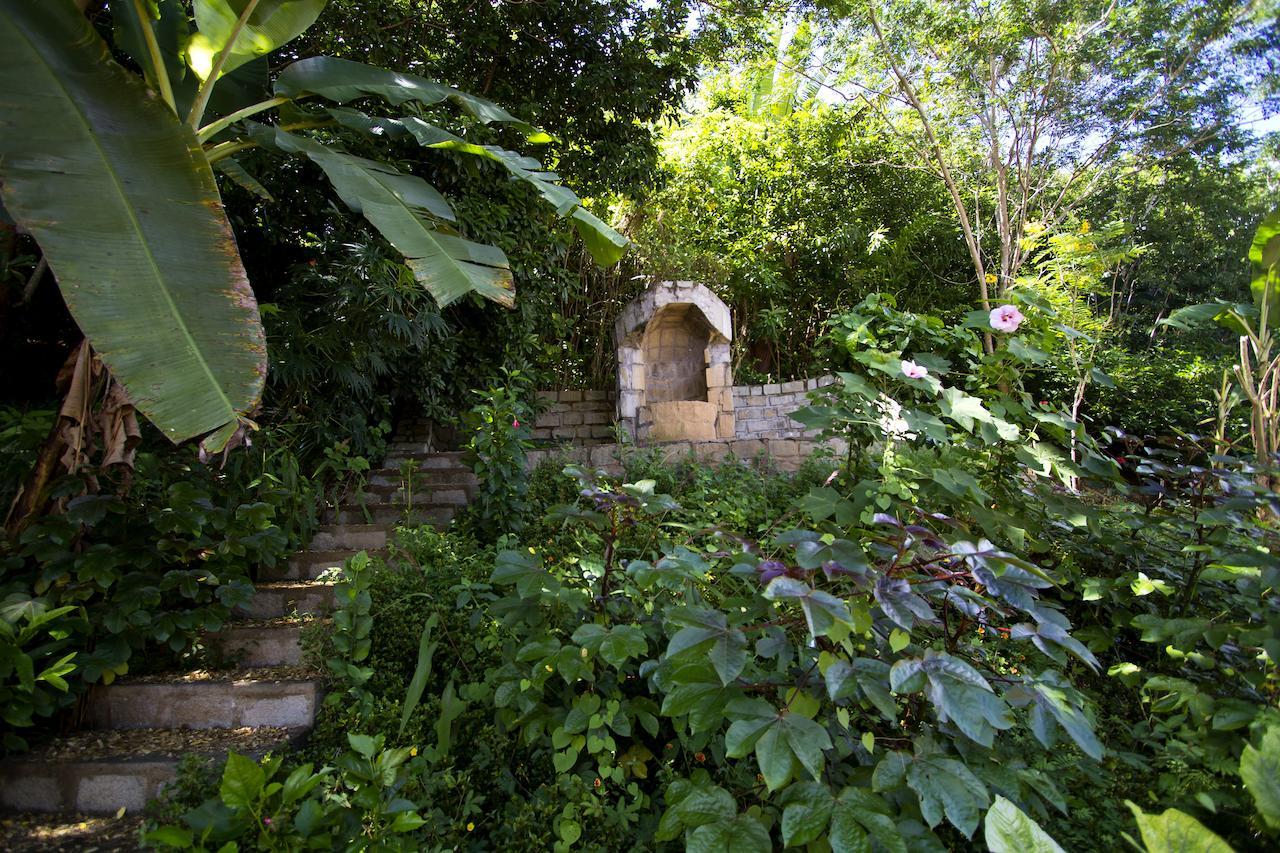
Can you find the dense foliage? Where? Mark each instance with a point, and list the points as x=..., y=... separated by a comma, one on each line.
x=1024, y=598
x=944, y=633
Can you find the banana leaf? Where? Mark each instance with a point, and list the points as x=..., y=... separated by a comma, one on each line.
x=399, y=206
x=604, y=243
x=342, y=80
x=124, y=205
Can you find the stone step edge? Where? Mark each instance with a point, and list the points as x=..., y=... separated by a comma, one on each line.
x=247, y=702
x=103, y=783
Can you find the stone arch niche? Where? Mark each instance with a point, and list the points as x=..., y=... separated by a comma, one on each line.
x=674, y=377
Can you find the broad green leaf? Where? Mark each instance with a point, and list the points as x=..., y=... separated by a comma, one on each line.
x=1264, y=253
x=342, y=80
x=742, y=834
x=242, y=781
x=1260, y=770
x=1009, y=830
x=946, y=787
x=271, y=24
x=846, y=834
x=605, y=244
x=706, y=804
x=397, y=205
x=121, y=200
x=615, y=645
x=171, y=836
x=707, y=632
x=965, y=410
x=525, y=571
x=781, y=740
x=365, y=745
x=230, y=167
x=822, y=610
x=421, y=672
x=1172, y=831
x=859, y=813
x=806, y=809
x=961, y=695
x=1058, y=703
x=1025, y=351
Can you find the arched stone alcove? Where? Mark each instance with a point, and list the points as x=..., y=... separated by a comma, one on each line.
x=674, y=378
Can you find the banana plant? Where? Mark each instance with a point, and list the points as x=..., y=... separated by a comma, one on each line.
x=112, y=174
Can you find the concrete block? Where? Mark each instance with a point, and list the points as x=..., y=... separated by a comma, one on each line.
x=571, y=418
x=550, y=396
x=683, y=419
x=259, y=645
x=26, y=788
x=565, y=433
x=676, y=451
x=711, y=451
x=350, y=536
x=595, y=395
x=603, y=455
x=547, y=420
x=97, y=794
x=570, y=396
x=772, y=388
x=271, y=601
x=597, y=417
x=756, y=390
x=783, y=448
x=726, y=426
x=796, y=385
x=718, y=376
x=629, y=403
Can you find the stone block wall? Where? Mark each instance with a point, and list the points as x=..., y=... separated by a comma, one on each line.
x=784, y=454
x=764, y=411
x=582, y=418
x=758, y=412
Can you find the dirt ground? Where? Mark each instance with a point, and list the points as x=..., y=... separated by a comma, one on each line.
x=79, y=833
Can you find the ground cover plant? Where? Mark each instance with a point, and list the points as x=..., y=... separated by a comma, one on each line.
x=1023, y=598
x=973, y=626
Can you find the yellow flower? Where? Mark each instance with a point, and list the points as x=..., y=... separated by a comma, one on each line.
x=471, y=827
x=1084, y=227
x=413, y=750
x=991, y=279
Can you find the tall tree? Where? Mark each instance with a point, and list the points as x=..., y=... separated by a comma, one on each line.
x=597, y=71
x=1024, y=109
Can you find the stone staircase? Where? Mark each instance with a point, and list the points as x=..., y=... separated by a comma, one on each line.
x=137, y=729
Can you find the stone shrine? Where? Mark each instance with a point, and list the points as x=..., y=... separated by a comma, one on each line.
x=675, y=379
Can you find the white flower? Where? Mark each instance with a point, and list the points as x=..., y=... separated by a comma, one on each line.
x=1006, y=318
x=911, y=370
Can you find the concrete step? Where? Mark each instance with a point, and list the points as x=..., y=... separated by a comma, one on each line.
x=103, y=772
x=425, y=459
x=443, y=493
x=424, y=478
x=272, y=600
x=438, y=515
x=279, y=696
x=276, y=642
x=358, y=537
x=309, y=565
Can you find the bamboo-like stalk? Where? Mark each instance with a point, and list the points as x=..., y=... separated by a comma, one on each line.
x=153, y=53
x=206, y=87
